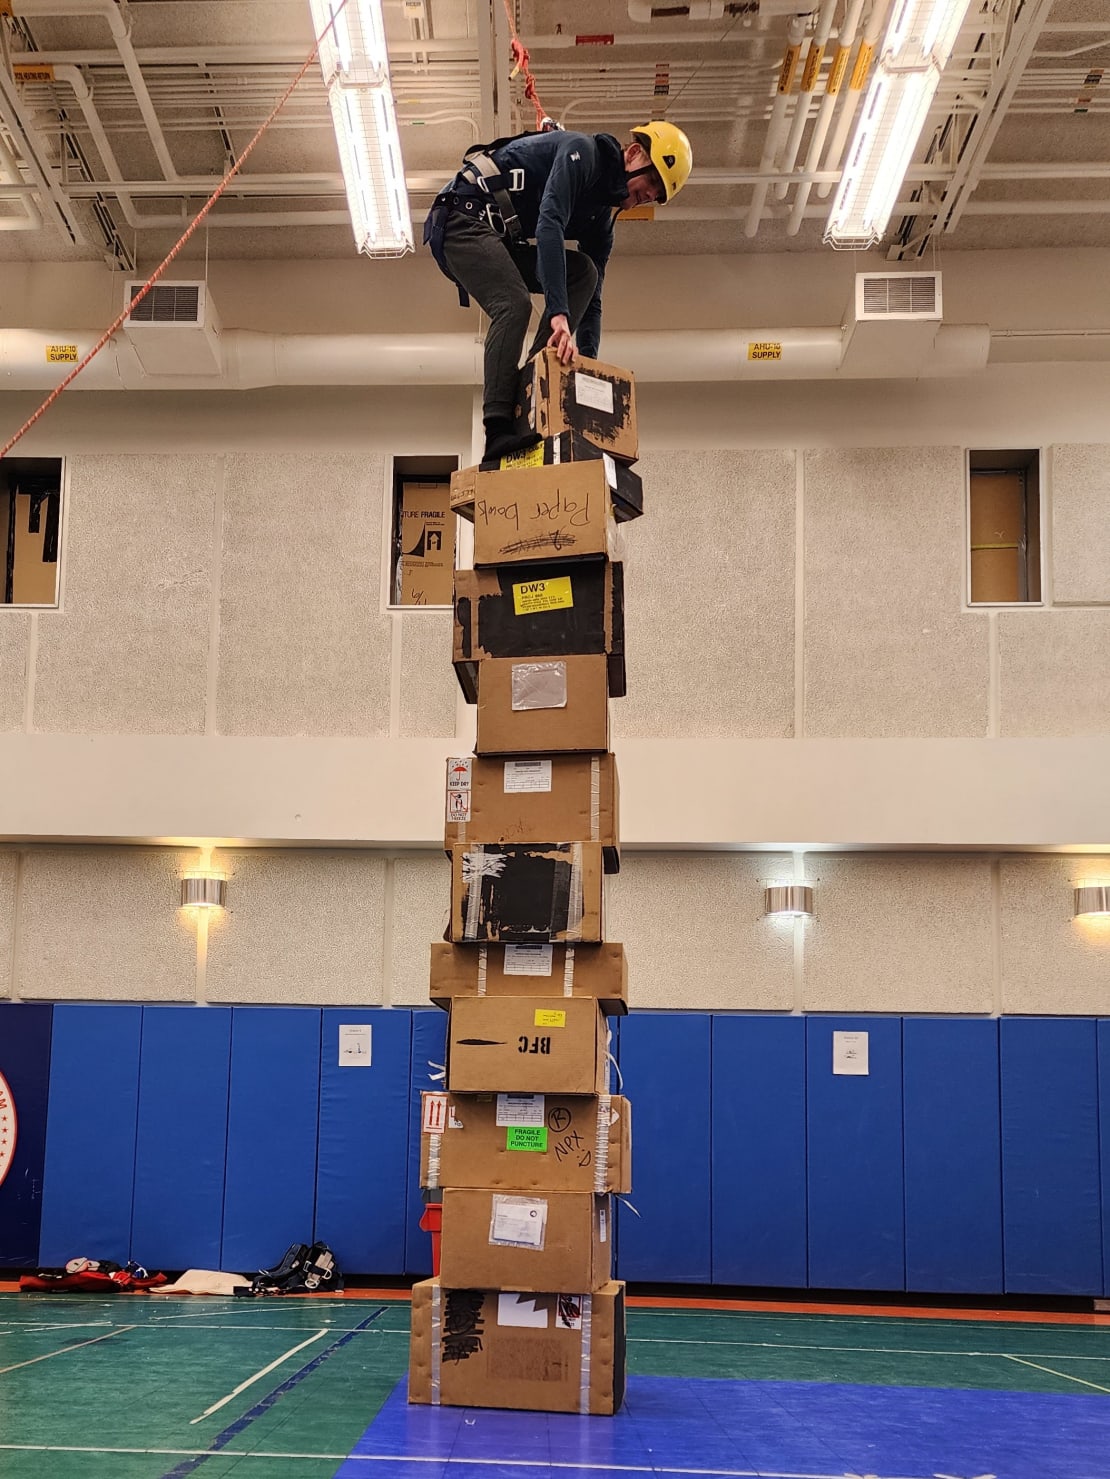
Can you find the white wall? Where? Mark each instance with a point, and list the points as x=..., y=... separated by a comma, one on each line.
x=807, y=688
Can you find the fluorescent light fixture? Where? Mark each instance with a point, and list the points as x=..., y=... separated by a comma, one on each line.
x=918, y=43
x=354, y=61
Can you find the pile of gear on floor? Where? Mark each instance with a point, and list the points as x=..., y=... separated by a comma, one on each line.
x=305, y=1269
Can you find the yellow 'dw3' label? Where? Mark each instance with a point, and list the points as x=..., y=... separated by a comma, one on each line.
x=550, y=1019
x=531, y=457
x=542, y=595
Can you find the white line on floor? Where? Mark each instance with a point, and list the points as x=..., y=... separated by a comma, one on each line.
x=392, y=1458
x=1063, y=1374
x=65, y=1350
x=258, y=1375
x=864, y=1350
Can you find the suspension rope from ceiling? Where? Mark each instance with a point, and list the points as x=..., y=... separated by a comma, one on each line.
x=174, y=250
x=544, y=124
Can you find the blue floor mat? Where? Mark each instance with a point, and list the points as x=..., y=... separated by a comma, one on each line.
x=678, y=1426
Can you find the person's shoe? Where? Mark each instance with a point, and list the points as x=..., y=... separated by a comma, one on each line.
x=502, y=440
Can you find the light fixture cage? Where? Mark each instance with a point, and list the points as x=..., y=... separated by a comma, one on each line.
x=788, y=898
x=1091, y=898
x=204, y=890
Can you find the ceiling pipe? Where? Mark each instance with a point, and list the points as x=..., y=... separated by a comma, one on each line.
x=776, y=127
x=254, y=361
x=37, y=160
x=31, y=218
x=119, y=23
x=76, y=80
x=876, y=21
x=811, y=71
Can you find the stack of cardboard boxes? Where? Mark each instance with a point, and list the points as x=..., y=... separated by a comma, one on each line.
x=527, y=1146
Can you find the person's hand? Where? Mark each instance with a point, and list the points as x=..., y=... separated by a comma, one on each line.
x=562, y=340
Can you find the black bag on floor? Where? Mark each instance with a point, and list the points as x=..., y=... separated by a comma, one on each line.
x=304, y=1269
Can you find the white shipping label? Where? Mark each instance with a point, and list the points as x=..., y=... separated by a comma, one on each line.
x=433, y=1117
x=519, y=1109
x=610, y=466
x=519, y=1222
x=354, y=1045
x=527, y=775
x=524, y=1310
x=528, y=960
x=850, y=1053
x=591, y=391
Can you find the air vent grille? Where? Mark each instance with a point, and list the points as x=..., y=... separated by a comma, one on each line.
x=167, y=303
x=901, y=293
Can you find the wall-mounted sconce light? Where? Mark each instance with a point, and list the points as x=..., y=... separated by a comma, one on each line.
x=1091, y=898
x=204, y=889
x=788, y=898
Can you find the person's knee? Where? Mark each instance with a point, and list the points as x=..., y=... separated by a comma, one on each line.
x=511, y=306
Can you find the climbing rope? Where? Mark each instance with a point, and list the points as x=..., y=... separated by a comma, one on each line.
x=544, y=124
x=173, y=252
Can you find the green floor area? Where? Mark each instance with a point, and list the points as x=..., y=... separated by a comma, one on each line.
x=136, y=1388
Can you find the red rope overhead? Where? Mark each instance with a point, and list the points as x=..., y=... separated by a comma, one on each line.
x=173, y=252
x=520, y=61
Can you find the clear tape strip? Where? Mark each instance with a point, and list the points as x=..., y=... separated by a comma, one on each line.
x=435, y=1149
x=483, y=956
x=601, y=1148
x=437, y=1338
x=474, y=895
x=587, y=1352
x=568, y=971
x=575, y=902
x=595, y=799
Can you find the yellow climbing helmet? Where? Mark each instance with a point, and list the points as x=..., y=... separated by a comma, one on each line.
x=670, y=153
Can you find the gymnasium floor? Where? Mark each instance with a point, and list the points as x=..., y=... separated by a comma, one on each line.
x=147, y=1388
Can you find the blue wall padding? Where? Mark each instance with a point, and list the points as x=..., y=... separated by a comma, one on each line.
x=273, y=1112
x=25, y=1064
x=1050, y=1155
x=90, y=1133
x=182, y=1139
x=856, y=1220
x=953, y=1156
x=363, y=1153
x=665, y=1066
x=1103, y=1043
x=759, y=1151
x=429, y=1049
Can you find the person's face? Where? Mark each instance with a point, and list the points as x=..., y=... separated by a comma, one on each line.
x=643, y=189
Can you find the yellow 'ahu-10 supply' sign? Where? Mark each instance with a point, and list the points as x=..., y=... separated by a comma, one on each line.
x=531, y=596
x=765, y=349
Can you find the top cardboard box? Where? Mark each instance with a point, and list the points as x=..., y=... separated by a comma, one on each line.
x=596, y=400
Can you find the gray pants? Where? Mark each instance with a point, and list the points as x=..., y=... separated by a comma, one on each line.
x=501, y=282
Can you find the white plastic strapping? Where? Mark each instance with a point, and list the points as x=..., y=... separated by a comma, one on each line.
x=587, y=1352
x=601, y=1145
x=437, y=1337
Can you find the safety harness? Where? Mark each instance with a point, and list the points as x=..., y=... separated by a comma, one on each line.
x=488, y=180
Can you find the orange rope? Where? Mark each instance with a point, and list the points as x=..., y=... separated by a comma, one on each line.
x=520, y=59
x=160, y=269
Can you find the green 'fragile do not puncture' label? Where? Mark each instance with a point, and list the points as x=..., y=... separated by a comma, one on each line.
x=526, y=1137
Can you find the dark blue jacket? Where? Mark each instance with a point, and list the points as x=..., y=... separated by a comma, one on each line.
x=571, y=184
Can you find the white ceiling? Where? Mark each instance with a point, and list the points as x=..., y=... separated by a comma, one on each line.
x=1015, y=154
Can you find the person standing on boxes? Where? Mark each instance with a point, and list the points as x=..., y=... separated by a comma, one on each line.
x=499, y=232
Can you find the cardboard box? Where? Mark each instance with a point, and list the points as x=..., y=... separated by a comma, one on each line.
x=596, y=400
x=527, y=1142
x=626, y=489
x=598, y=971
x=543, y=513
x=552, y=1242
x=427, y=545
x=527, y=1045
x=543, y=706
x=519, y=893
x=490, y=1348
x=539, y=611
x=527, y=799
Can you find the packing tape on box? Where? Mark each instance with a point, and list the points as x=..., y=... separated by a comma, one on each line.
x=435, y=1151
x=482, y=971
x=437, y=1337
x=587, y=1352
x=568, y=971
x=575, y=901
x=595, y=799
x=601, y=1146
